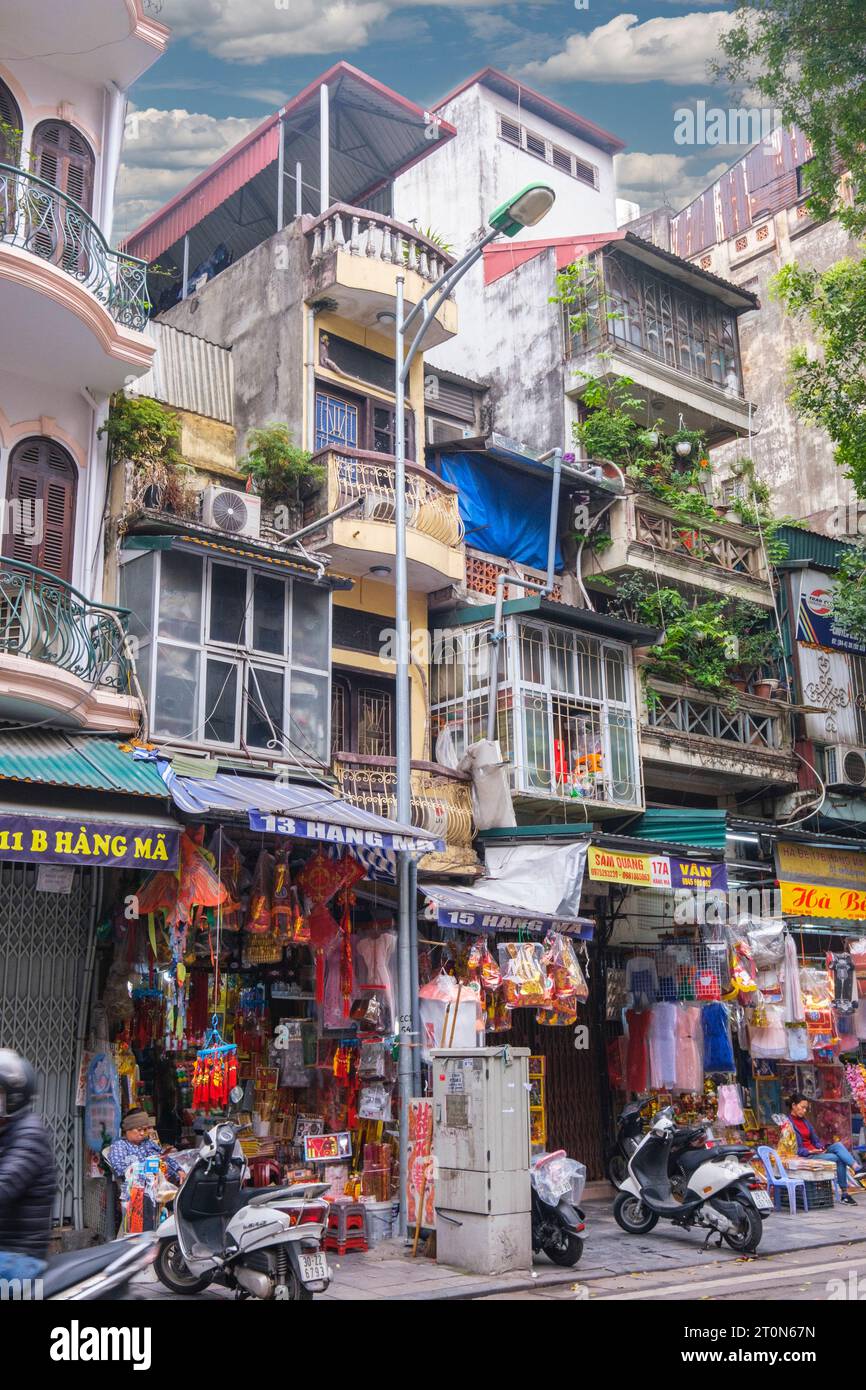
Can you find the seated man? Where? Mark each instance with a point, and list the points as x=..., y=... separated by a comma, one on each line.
x=27, y=1178
x=810, y=1146
x=136, y=1143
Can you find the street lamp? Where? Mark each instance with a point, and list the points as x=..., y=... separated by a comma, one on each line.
x=525, y=209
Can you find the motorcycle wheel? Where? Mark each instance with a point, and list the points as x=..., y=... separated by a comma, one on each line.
x=632, y=1216
x=747, y=1238
x=172, y=1271
x=563, y=1248
x=617, y=1170
x=298, y=1292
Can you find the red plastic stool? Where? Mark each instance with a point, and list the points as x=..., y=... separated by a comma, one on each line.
x=347, y=1227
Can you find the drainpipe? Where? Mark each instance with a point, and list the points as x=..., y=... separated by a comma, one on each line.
x=596, y=519
x=324, y=150
x=497, y=636
x=96, y=880
x=281, y=173
x=311, y=379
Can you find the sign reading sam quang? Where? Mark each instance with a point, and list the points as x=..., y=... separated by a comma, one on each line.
x=50, y=840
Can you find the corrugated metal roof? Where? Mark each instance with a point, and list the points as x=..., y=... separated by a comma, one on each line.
x=824, y=551
x=375, y=134
x=188, y=373
x=685, y=825
x=57, y=759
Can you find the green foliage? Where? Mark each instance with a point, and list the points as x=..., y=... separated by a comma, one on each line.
x=580, y=291
x=280, y=470
x=11, y=137
x=754, y=510
x=829, y=390
x=849, y=600
x=805, y=57
x=144, y=433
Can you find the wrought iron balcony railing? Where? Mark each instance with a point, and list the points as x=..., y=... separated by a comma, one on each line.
x=441, y=801
x=40, y=219
x=431, y=504
x=45, y=619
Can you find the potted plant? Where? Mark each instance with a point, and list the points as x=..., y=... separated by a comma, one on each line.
x=144, y=435
x=280, y=471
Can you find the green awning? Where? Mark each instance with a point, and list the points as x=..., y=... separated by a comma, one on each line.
x=685, y=826
x=57, y=759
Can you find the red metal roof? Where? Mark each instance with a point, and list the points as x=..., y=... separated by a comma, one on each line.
x=260, y=148
x=539, y=105
x=503, y=257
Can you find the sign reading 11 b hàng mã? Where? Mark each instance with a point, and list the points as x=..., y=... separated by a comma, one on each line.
x=51, y=840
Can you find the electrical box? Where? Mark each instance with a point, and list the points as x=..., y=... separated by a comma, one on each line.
x=481, y=1147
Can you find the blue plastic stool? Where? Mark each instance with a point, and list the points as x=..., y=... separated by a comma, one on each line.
x=777, y=1179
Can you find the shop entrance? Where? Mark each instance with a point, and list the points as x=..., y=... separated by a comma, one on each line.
x=43, y=943
x=573, y=1088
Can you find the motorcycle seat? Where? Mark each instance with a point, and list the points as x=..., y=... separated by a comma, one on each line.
x=66, y=1270
x=693, y=1158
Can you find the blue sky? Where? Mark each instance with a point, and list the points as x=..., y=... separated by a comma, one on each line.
x=628, y=67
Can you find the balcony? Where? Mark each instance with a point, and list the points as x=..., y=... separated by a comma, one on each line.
x=566, y=721
x=355, y=258
x=718, y=556
x=83, y=305
x=103, y=41
x=366, y=536
x=63, y=659
x=441, y=804
x=679, y=346
x=691, y=732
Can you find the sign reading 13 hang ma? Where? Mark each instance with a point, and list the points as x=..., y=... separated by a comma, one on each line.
x=50, y=840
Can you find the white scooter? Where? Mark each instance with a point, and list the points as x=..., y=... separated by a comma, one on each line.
x=721, y=1192
x=264, y=1243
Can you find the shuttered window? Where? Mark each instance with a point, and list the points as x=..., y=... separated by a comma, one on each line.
x=41, y=515
x=63, y=157
x=10, y=127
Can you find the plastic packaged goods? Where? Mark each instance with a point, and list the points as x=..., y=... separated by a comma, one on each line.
x=524, y=983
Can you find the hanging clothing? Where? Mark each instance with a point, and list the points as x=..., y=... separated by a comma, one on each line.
x=663, y=1046
x=792, y=995
x=844, y=982
x=637, y=1053
x=689, y=1065
x=718, y=1049
x=767, y=1038
x=641, y=982
x=860, y=1019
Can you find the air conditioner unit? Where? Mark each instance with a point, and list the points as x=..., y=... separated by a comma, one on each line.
x=236, y=513
x=845, y=765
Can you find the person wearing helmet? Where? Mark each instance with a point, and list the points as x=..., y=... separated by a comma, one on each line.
x=28, y=1181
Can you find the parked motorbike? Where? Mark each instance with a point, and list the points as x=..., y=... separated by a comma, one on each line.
x=557, y=1222
x=629, y=1128
x=264, y=1243
x=721, y=1192
x=99, y=1272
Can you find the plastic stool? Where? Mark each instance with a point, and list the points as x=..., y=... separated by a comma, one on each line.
x=347, y=1227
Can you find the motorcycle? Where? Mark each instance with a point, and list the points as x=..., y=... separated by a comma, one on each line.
x=263, y=1243
x=629, y=1128
x=557, y=1221
x=721, y=1192
x=100, y=1272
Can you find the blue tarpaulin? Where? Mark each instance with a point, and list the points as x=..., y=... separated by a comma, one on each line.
x=504, y=512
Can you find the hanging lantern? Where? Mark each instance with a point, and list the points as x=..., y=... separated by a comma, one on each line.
x=683, y=448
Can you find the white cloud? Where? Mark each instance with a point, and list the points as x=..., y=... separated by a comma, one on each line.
x=675, y=50
x=654, y=179
x=164, y=151
x=251, y=31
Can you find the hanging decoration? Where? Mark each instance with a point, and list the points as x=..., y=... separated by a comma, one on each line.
x=215, y=1072
x=321, y=878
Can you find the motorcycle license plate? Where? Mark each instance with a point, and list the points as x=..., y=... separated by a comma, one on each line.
x=762, y=1200
x=314, y=1267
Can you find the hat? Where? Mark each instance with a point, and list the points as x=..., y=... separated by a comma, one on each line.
x=137, y=1119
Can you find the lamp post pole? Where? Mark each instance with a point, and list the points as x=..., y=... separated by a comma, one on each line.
x=509, y=218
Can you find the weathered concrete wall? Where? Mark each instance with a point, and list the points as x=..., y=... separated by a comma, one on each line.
x=256, y=308
x=793, y=458
x=456, y=188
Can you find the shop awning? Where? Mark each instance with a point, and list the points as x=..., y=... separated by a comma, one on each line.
x=686, y=826
x=57, y=759
x=526, y=888
x=304, y=812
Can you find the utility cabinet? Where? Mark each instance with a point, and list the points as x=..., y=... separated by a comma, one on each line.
x=481, y=1146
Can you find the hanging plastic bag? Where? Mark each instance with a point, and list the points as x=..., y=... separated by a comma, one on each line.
x=524, y=983
x=448, y=1014
x=730, y=1105
x=766, y=938
x=259, y=917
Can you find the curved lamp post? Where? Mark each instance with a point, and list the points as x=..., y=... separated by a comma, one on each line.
x=525, y=209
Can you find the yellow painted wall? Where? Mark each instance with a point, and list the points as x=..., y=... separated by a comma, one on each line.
x=371, y=596
x=377, y=342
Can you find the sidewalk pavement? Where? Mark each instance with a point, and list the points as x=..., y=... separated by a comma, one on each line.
x=388, y=1272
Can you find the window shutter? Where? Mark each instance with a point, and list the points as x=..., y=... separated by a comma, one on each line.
x=41, y=473
x=587, y=173
x=509, y=130
x=536, y=145
x=63, y=157
x=562, y=160
x=10, y=121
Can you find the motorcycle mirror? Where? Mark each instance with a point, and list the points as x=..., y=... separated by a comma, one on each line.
x=236, y=1095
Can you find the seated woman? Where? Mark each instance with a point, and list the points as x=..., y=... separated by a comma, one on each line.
x=810, y=1146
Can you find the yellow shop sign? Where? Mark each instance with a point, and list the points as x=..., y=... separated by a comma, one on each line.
x=823, y=900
